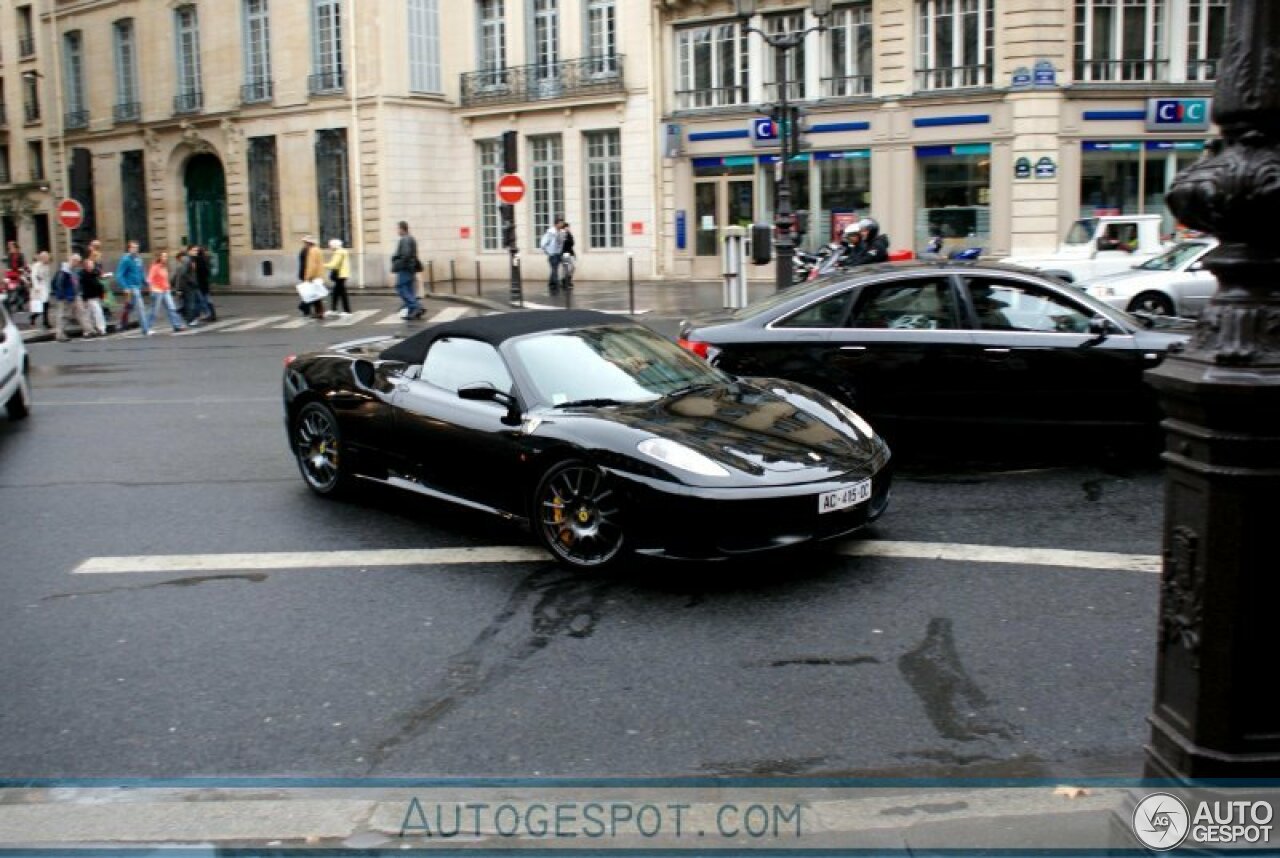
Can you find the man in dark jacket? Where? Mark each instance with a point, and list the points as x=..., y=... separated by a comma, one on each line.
x=405, y=265
x=200, y=261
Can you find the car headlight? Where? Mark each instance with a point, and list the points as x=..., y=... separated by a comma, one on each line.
x=853, y=417
x=679, y=456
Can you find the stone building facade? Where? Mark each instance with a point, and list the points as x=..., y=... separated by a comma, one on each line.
x=244, y=124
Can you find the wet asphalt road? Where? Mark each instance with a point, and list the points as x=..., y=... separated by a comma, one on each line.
x=801, y=664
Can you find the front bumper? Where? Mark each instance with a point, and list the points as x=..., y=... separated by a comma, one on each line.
x=672, y=520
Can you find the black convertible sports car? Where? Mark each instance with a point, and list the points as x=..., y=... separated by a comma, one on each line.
x=597, y=432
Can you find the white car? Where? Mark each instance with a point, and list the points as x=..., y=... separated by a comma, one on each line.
x=15, y=389
x=1175, y=283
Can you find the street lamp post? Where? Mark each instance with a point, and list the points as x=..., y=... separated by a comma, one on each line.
x=786, y=121
x=1218, y=634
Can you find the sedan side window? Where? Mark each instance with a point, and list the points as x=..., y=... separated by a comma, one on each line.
x=1010, y=305
x=917, y=304
x=828, y=313
x=456, y=363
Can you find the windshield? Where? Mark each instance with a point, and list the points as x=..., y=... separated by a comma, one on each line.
x=778, y=298
x=1182, y=254
x=626, y=363
x=1082, y=231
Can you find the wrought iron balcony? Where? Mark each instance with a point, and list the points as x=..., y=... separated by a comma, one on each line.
x=4, y=175
x=327, y=82
x=128, y=111
x=257, y=91
x=188, y=102
x=4, y=114
x=953, y=77
x=31, y=110
x=76, y=120
x=26, y=47
x=1119, y=71
x=1202, y=70
x=849, y=85
x=543, y=81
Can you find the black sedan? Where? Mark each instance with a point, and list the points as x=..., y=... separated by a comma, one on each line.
x=599, y=434
x=948, y=343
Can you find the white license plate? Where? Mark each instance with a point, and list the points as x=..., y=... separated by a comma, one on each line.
x=845, y=497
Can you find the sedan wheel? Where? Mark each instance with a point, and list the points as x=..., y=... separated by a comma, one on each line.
x=317, y=444
x=1155, y=303
x=19, y=405
x=577, y=516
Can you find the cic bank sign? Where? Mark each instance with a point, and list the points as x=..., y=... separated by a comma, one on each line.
x=1178, y=114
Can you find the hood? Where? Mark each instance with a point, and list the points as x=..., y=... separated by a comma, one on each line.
x=1128, y=279
x=773, y=435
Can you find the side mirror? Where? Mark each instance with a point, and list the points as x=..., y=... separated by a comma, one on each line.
x=365, y=374
x=1101, y=326
x=1198, y=265
x=484, y=392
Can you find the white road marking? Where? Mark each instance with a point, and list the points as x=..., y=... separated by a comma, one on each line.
x=533, y=305
x=394, y=319
x=311, y=559
x=300, y=322
x=448, y=314
x=997, y=554
x=255, y=323
x=1104, y=560
x=354, y=318
x=209, y=327
x=201, y=401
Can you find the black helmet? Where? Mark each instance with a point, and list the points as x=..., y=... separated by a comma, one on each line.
x=870, y=227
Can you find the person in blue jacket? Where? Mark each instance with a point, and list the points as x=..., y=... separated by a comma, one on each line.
x=131, y=278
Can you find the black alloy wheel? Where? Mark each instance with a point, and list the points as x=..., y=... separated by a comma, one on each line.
x=317, y=443
x=577, y=515
x=1155, y=303
x=19, y=405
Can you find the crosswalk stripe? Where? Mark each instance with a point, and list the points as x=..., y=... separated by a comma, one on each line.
x=448, y=314
x=295, y=323
x=206, y=327
x=255, y=323
x=357, y=316
x=874, y=548
x=394, y=319
x=533, y=305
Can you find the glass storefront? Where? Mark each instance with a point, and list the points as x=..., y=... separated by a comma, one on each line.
x=833, y=187
x=953, y=196
x=1132, y=177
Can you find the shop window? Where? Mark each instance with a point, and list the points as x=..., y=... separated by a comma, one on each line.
x=953, y=196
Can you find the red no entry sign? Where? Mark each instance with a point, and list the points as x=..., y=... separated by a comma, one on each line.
x=511, y=189
x=70, y=213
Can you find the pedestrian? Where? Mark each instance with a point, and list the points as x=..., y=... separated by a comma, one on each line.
x=131, y=279
x=339, y=266
x=92, y=291
x=568, y=258
x=187, y=281
x=203, y=274
x=158, y=280
x=406, y=265
x=14, y=277
x=40, y=299
x=550, y=245
x=67, y=302
x=311, y=267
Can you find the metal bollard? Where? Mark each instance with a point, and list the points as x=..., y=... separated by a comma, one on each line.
x=631, y=282
x=453, y=277
x=431, y=275
x=478, y=292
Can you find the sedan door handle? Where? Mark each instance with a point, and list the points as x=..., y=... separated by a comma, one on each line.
x=997, y=351
x=853, y=348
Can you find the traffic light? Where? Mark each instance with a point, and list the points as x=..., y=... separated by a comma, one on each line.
x=510, y=152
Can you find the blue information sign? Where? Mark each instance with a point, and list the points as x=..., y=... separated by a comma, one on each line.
x=682, y=231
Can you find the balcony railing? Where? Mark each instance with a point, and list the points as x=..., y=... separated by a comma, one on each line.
x=75, y=120
x=188, y=102
x=26, y=47
x=4, y=175
x=849, y=85
x=1202, y=70
x=31, y=111
x=127, y=111
x=543, y=81
x=257, y=92
x=326, y=82
x=953, y=77
x=1119, y=71
x=4, y=114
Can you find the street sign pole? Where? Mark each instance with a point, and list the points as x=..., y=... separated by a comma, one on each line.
x=70, y=216
x=510, y=190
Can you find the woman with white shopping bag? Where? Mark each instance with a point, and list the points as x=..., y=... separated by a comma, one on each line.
x=311, y=288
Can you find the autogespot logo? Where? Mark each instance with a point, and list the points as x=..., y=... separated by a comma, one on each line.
x=1161, y=821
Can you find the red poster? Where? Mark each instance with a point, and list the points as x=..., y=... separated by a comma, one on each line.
x=637, y=227
x=464, y=232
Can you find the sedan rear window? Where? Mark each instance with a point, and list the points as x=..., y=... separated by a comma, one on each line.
x=918, y=304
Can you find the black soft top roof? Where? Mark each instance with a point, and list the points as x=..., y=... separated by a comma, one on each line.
x=496, y=329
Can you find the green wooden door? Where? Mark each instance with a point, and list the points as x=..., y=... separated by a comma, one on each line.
x=207, y=213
